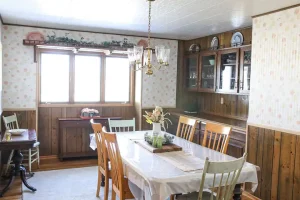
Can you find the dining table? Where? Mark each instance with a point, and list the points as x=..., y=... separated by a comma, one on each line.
x=156, y=176
x=16, y=143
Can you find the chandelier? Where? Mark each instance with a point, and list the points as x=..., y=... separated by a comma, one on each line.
x=142, y=58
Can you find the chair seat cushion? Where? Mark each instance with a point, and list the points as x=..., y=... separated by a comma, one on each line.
x=194, y=196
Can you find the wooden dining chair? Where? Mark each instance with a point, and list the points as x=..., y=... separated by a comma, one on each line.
x=120, y=185
x=225, y=176
x=30, y=155
x=121, y=125
x=216, y=137
x=103, y=163
x=186, y=128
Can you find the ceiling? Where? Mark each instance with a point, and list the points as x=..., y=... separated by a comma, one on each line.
x=176, y=19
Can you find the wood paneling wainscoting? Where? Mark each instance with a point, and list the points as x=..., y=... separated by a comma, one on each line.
x=278, y=156
x=26, y=119
x=234, y=106
x=48, y=124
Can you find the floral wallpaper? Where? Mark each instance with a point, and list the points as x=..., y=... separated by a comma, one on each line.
x=275, y=76
x=20, y=71
x=160, y=88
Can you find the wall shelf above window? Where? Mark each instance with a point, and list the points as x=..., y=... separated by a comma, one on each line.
x=111, y=49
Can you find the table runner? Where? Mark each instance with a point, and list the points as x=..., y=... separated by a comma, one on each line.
x=183, y=160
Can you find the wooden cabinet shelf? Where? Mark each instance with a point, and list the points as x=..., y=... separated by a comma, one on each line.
x=229, y=64
x=223, y=77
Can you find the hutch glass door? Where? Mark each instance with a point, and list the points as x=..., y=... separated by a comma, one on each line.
x=191, y=72
x=245, y=70
x=208, y=72
x=228, y=71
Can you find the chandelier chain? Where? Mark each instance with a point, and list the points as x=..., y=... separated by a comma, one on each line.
x=149, y=24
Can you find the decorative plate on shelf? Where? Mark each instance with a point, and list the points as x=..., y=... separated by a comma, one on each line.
x=237, y=39
x=214, y=43
x=194, y=48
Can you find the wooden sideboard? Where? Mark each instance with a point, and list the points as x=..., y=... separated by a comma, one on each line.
x=74, y=136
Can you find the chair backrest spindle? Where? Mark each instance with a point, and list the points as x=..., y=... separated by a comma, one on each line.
x=11, y=122
x=121, y=125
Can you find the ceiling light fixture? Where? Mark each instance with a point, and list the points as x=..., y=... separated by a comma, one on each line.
x=142, y=58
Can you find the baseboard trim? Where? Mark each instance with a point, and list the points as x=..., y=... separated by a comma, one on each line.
x=49, y=157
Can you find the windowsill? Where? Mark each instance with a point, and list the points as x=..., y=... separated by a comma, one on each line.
x=87, y=105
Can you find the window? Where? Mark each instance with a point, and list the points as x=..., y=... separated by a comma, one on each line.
x=54, y=78
x=87, y=79
x=82, y=78
x=117, y=84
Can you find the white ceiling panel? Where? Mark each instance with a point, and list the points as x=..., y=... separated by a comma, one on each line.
x=177, y=19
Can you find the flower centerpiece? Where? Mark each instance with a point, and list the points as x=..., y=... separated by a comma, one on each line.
x=89, y=113
x=158, y=119
x=158, y=140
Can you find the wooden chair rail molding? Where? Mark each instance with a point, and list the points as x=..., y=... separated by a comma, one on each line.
x=277, y=154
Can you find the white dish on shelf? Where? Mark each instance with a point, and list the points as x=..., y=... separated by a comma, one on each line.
x=237, y=39
x=214, y=43
x=17, y=131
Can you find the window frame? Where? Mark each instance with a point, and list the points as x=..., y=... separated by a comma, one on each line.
x=71, y=102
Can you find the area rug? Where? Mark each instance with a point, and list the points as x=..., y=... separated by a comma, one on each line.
x=66, y=184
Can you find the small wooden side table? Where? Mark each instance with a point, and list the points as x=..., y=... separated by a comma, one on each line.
x=18, y=143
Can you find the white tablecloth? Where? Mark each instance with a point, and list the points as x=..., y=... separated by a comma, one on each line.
x=160, y=178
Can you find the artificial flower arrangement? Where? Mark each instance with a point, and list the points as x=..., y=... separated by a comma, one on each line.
x=87, y=112
x=158, y=140
x=158, y=116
